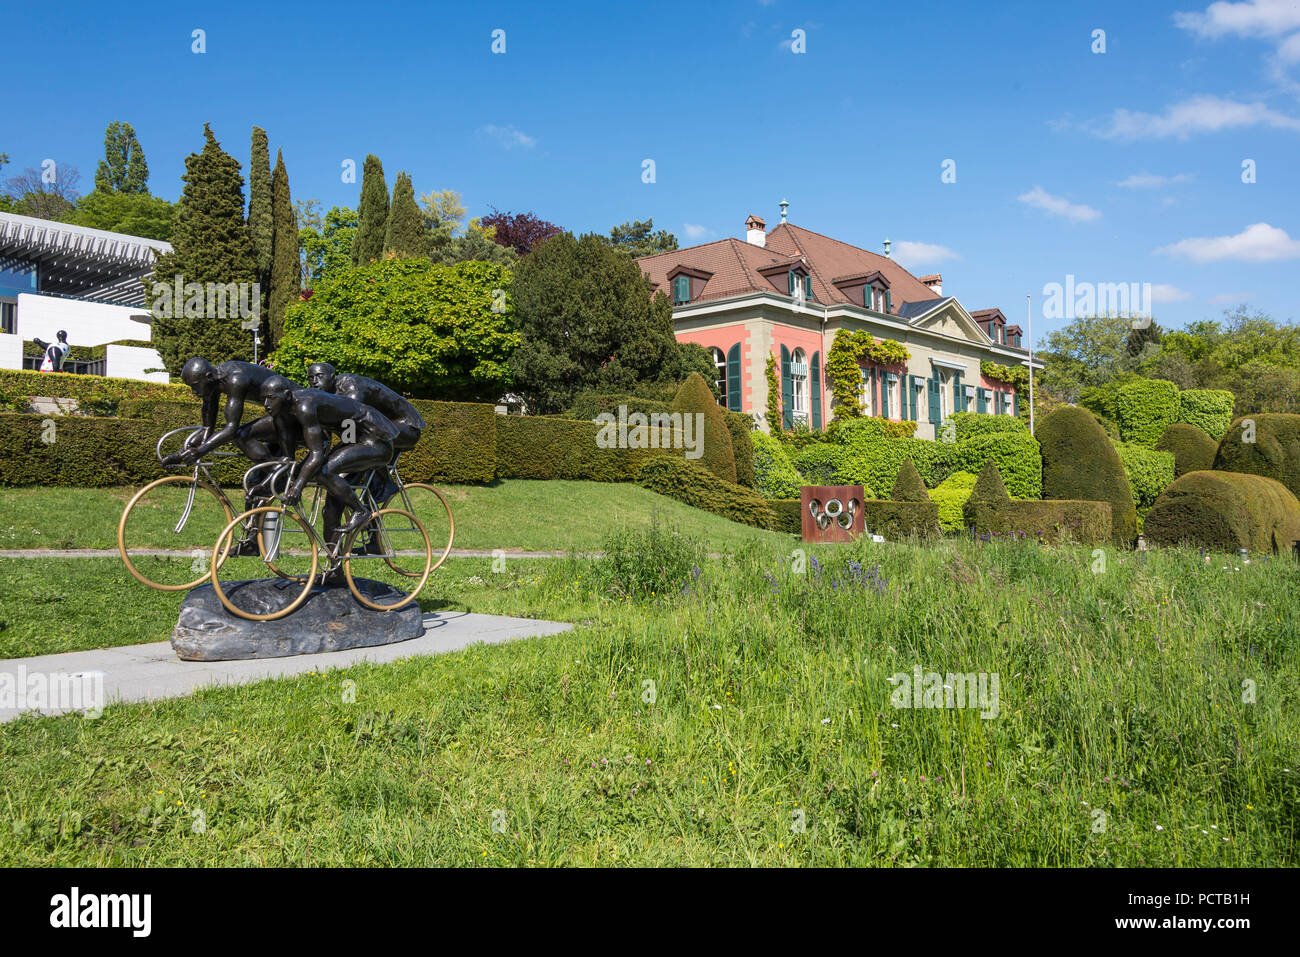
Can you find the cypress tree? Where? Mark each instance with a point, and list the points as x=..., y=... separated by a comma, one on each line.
x=405, y=234
x=372, y=213
x=210, y=243
x=123, y=168
x=259, y=204
x=285, y=278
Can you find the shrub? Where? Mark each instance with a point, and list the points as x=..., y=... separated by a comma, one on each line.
x=875, y=463
x=697, y=486
x=1110, y=426
x=1210, y=410
x=901, y=520
x=540, y=447
x=908, y=487
x=1149, y=472
x=1081, y=464
x=695, y=396
x=852, y=431
x=589, y=404
x=1015, y=452
x=1275, y=451
x=970, y=424
x=1193, y=449
x=63, y=385
x=950, y=495
x=647, y=563
x=741, y=427
x=1144, y=409
x=774, y=476
x=1225, y=511
x=458, y=444
x=819, y=464
x=990, y=511
x=789, y=515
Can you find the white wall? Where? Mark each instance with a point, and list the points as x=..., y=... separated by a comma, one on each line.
x=11, y=352
x=86, y=323
x=129, y=362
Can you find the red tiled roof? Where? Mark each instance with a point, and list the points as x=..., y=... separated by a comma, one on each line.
x=735, y=265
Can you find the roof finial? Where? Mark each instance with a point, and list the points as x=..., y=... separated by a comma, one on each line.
x=784, y=207
x=887, y=247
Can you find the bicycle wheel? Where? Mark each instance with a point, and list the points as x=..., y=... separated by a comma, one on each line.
x=283, y=547
x=432, y=510
x=227, y=590
x=396, y=540
x=169, y=517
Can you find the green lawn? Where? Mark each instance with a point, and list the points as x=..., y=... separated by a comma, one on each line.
x=515, y=515
x=1121, y=691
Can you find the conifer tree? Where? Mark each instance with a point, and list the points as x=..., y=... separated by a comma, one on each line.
x=259, y=204
x=372, y=213
x=123, y=168
x=405, y=236
x=285, y=267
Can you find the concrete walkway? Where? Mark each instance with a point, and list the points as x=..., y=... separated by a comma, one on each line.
x=150, y=672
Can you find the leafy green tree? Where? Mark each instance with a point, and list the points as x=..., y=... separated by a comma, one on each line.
x=32, y=196
x=639, y=239
x=285, y=273
x=327, y=245
x=210, y=243
x=586, y=320
x=260, y=225
x=136, y=214
x=405, y=235
x=372, y=213
x=474, y=245
x=432, y=331
x=123, y=168
x=1090, y=351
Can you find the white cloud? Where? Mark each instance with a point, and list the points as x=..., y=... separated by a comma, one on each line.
x=1229, y=298
x=918, y=254
x=1162, y=292
x=1199, y=114
x=1252, y=18
x=694, y=232
x=1257, y=243
x=1039, y=198
x=1152, y=181
x=509, y=136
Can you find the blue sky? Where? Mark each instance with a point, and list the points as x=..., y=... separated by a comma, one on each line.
x=1122, y=166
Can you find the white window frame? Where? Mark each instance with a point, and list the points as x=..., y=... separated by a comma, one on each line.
x=720, y=363
x=864, y=392
x=895, y=407
x=799, y=384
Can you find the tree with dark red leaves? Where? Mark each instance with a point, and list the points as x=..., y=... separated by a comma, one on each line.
x=521, y=231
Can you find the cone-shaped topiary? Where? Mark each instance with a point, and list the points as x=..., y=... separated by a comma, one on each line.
x=1267, y=444
x=695, y=397
x=908, y=487
x=1193, y=449
x=988, y=486
x=1226, y=511
x=1080, y=463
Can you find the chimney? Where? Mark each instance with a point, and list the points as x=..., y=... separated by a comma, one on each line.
x=755, y=231
x=886, y=247
x=935, y=282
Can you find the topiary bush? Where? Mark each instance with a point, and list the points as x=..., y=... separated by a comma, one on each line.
x=874, y=463
x=789, y=515
x=540, y=447
x=1210, y=410
x=820, y=464
x=694, y=485
x=1266, y=444
x=850, y=431
x=1225, y=511
x=901, y=520
x=1192, y=448
x=950, y=495
x=774, y=475
x=695, y=397
x=741, y=427
x=1080, y=463
x=990, y=511
x=1015, y=452
x=1149, y=472
x=65, y=385
x=908, y=487
x=1144, y=408
x=970, y=424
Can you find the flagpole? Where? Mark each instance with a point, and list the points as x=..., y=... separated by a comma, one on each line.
x=1029, y=322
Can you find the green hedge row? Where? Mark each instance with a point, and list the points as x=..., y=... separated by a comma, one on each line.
x=970, y=424
x=774, y=475
x=901, y=520
x=875, y=464
x=61, y=385
x=788, y=514
x=1192, y=448
x=1210, y=410
x=694, y=485
x=85, y=353
x=1226, y=511
x=741, y=426
x=458, y=445
x=1145, y=408
x=989, y=510
x=1149, y=472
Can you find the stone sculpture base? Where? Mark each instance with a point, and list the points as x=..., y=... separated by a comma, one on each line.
x=329, y=620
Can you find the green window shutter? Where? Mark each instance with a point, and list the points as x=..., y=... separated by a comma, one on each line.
x=787, y=389
x=910, y=388
x=884, y=397
x=958, y=394
x=889, y=301
x=790, y=280
x=934, y=386
x=733, y=378
x=1015, y=403
x=815, y=396
x=807, y=287
x=875, y=400
x=681, y=289
x=980, y=407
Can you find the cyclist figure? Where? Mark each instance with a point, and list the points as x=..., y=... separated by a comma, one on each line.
x=314, y=414
x=378, y=396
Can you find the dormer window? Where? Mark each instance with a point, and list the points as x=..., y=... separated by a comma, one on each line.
x=681, y=290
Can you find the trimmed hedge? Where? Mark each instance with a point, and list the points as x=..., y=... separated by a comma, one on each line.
x=950, y=495
x=1210, y=410
x=1226, y=511
x=694, y=485
x=820, y=464
x=1274, y=453
x=990, y=511
x=849, y=431
x=538, y=447
x=741, y=427
x=774, y=476
x=970, y=424
x=1144, y=409
x=789, y=515
x=458, y=444
x=900, y=520
x=65, y=385
x=588, y=405
x=1193, y=449
x=874, y=463
x=1016, y=454
x=1149, y=472
x=1080, y=463
x=908, y=487
x=695, y=397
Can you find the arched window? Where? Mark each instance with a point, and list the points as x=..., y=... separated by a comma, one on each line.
x=799, y=375
x=720, y=373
